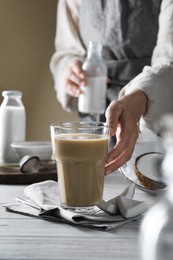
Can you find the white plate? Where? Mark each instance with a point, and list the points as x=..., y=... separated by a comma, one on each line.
x=148, y=142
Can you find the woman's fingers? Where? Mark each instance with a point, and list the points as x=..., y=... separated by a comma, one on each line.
x=124, y=126
x=121, y=153
x=72, y=88
x=77, y=69
x=75, y=77
x=112, y=114
x=123, y=115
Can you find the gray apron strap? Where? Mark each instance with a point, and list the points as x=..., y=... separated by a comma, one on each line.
x=120, y=72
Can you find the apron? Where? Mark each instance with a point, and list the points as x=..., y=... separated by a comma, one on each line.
x=127, y=29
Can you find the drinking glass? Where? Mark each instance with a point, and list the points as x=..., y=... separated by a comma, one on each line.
x=80, y=150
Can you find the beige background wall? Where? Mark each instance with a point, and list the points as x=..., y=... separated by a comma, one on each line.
x=27, y=31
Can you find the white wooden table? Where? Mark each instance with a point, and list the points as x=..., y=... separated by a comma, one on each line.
x=23, y=237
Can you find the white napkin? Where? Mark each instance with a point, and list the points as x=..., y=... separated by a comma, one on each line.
x=42, y=200
x=124, y=204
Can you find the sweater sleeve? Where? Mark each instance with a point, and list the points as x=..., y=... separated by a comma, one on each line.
x=157, y=80
x=68, y=47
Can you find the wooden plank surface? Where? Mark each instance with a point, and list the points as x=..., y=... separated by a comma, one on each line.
x=23, y=237
x=13, y=175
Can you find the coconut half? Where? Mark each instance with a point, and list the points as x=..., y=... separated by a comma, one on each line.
x=147, y=169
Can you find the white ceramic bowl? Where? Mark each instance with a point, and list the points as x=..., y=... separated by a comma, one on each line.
x=42, y=149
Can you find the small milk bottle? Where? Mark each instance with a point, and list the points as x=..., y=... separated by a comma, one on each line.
x=93, y=97
x=12, y=125
x=156, y=236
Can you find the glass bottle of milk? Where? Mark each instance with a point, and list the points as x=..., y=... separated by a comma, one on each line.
x=12, y=125
x=156, y=236
x=93, y=97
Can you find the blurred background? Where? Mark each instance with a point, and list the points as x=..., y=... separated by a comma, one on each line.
x=27, y=32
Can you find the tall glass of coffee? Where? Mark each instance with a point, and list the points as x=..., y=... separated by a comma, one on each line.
x=80, y=150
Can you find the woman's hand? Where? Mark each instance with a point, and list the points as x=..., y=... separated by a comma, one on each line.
x=75, y=77
x=123, y=116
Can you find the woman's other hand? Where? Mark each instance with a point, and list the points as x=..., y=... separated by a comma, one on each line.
x=123, y=116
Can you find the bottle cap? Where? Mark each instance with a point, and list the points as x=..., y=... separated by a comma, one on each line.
x=11, y=93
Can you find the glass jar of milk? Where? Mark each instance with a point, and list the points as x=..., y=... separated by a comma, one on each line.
x=93, y=97
x=12, y=125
